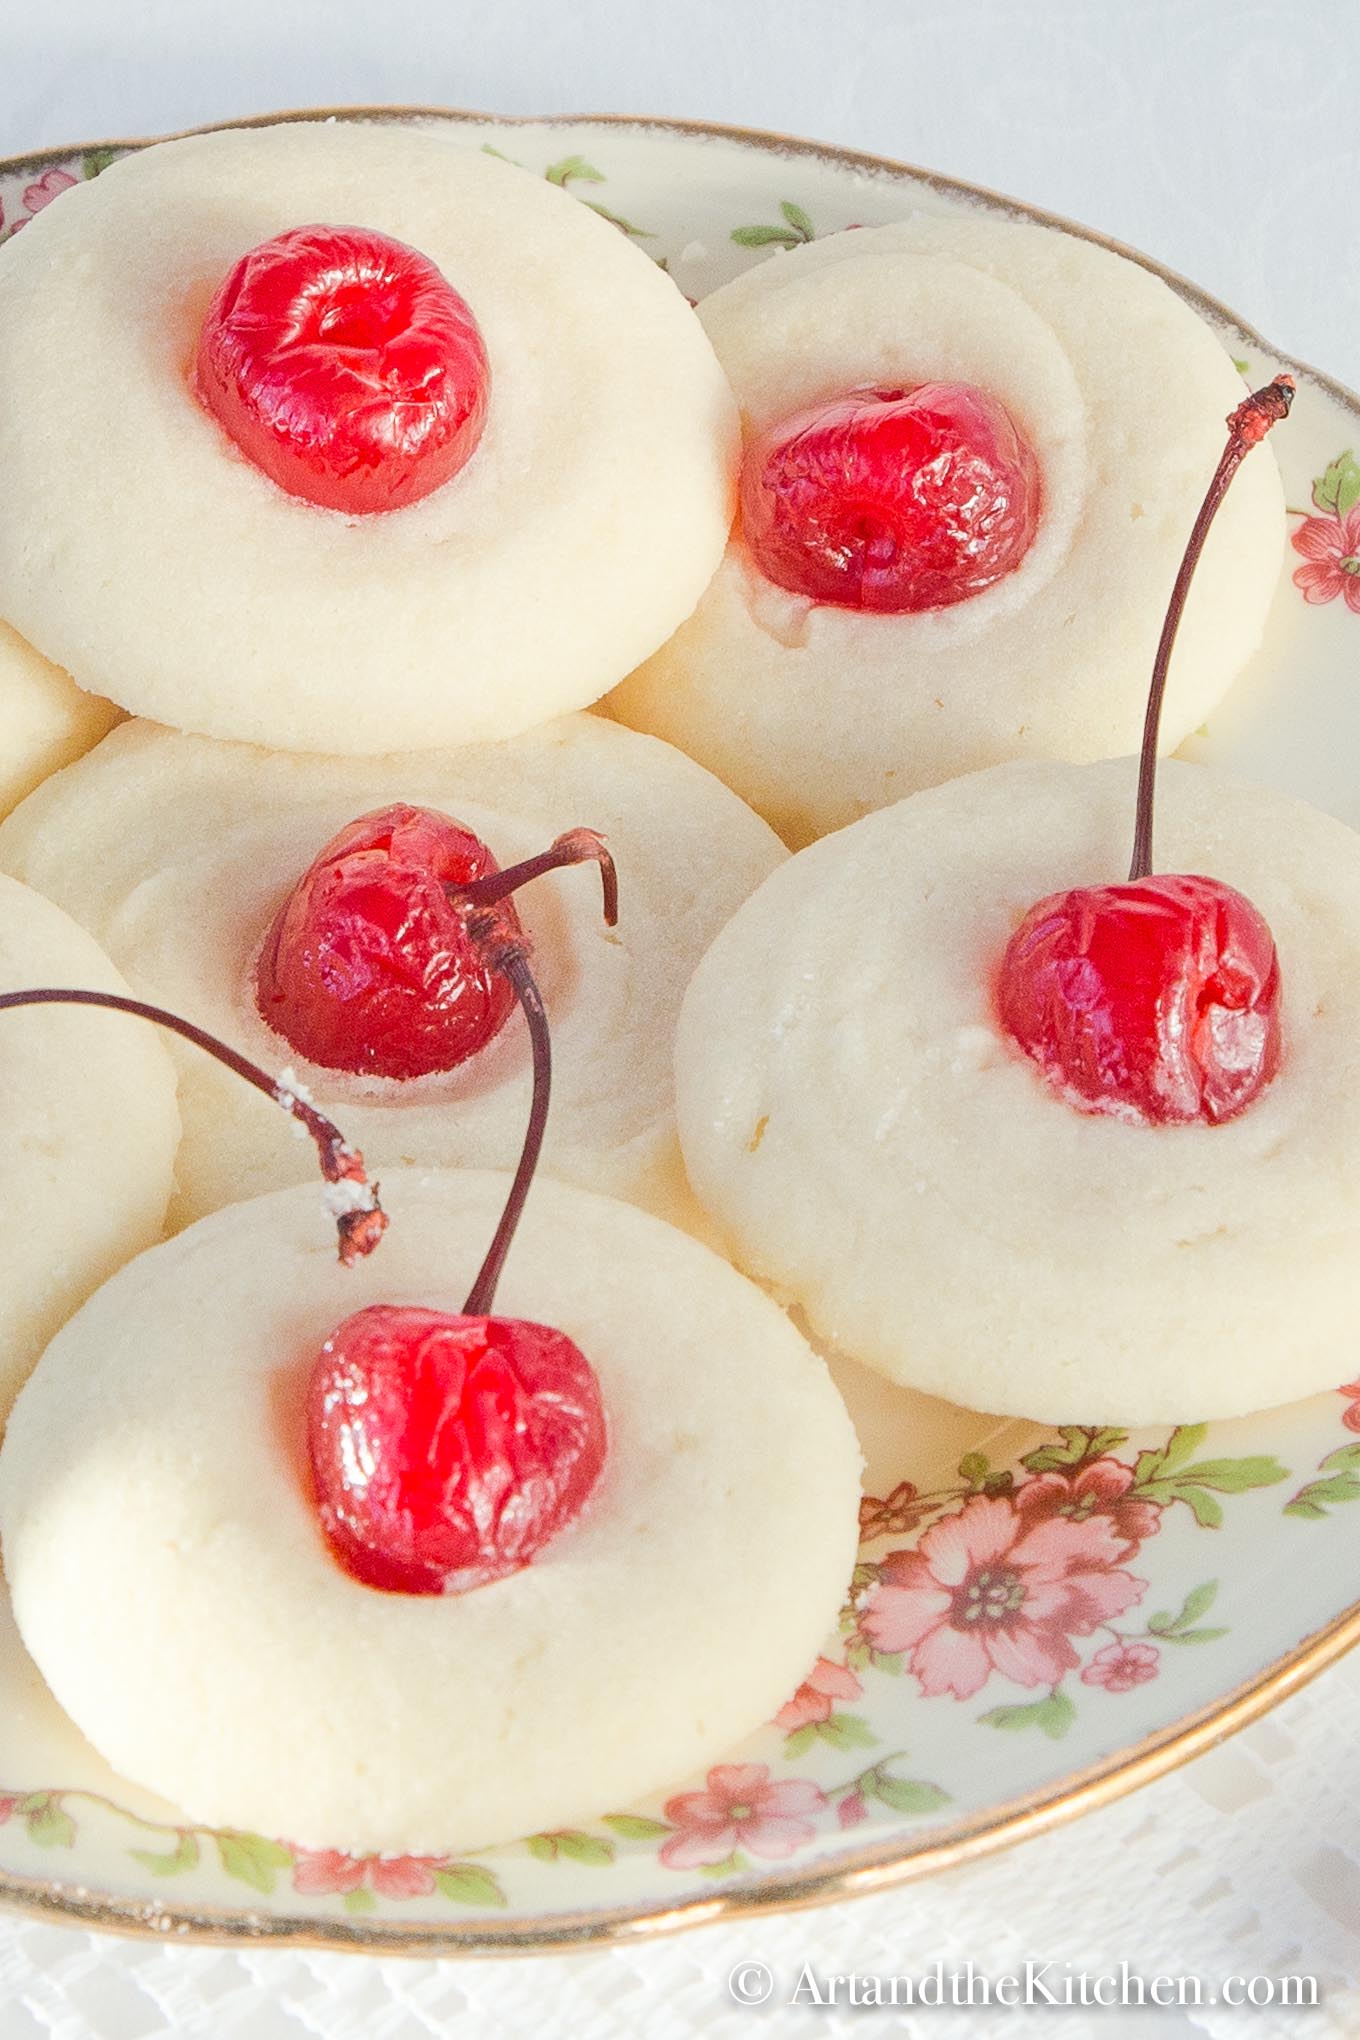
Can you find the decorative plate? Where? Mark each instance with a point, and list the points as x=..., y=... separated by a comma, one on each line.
x=1163, y=1588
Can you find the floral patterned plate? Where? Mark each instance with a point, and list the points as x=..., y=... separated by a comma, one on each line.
x=1038, y=1621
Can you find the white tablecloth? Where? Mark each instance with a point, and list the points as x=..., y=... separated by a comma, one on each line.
x=1223, y=137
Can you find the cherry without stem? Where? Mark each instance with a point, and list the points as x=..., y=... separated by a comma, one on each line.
x=892, y=499
x=1156, y=1001
x=346, y=368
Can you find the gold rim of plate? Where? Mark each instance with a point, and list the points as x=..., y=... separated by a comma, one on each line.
x=853, y=1874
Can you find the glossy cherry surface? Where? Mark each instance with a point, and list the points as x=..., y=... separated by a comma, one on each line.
x=345, y=367
x=371, y=967
x=1156, y=1001
x=892, y=499
x=447, y=1450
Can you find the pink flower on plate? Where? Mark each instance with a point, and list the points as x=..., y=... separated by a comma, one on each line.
x=824, y=1684
x=1351, y=1415
x=7, y=1807
x=1331, y=547
x=324, y=1870
x=1100, y=1488
x=46, y=189
x=741, y=1809
x=995, y=1589
x=1122, y=1666
x=852, y=1810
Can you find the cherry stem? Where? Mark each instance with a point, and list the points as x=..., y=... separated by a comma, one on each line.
x=1247, y=425
x=360, y=1219
x=577, y=846
x=515, y=963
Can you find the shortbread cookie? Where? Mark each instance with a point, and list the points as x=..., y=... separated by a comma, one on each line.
x=816, y=713
x=176, y=852
x=873, y=1145
x=145, y=553
x=155, y=1512
x=88, y=1128
x=45, y=719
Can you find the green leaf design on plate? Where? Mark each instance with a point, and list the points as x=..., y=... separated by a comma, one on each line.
x=799, y=1741
x=573, y=169
x=1164, y=1476
x=974, y=1468
x=185, y=1857
x=96, y=161
x=1074, y=1444
x=584, y=1848
x=1054, y=1715
x=766, y=237
x=903, y=1795
x=798, y=220
x=1180, y=1628
x=46, y=1821
x=1179, y=1446
x=617, y=220
x=469, y=1884
x=360, y=1900
x=571, y=1842
x=254, y=1859
x=730, y=1866
x=635, y=1827
x=1235, y=1476
x=1196, y=1603
x=846, y=1732
x=1337, y=489
x=1342, y=1484
x=1206, y=1511
x=576, y=170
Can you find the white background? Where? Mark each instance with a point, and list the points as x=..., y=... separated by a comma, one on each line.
x=1222, y=138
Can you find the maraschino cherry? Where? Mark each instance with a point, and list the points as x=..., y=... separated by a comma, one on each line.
x=1156, y=1001
x=892, y=499
x=447, y=1450
x=352, y=1200
x=346, y=367
x=386, y=957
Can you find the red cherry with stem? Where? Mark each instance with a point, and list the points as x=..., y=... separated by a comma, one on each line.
x=1156, y=1001
x=381, y=961
x=480, y=1439
x=346, y=368
x=352, y=1199
x=892, y=499
x=446, y=1450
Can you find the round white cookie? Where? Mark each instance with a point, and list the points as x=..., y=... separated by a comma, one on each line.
x=873, y=1145
x=45, y=719
x=155, y=1511
x=88, y=1128
x=817, y=714
x=141, y=551
x=176, y=852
